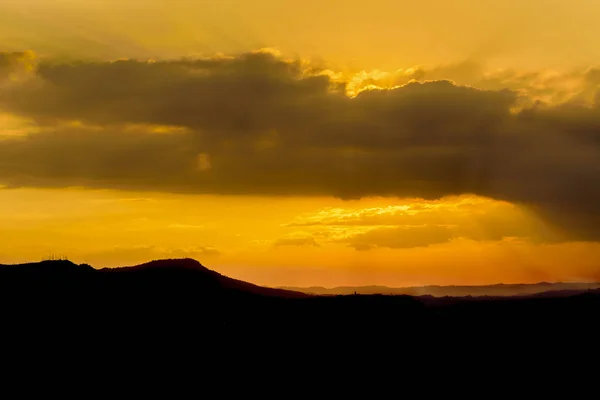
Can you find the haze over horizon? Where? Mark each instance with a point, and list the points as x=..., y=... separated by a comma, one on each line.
x=305, y=143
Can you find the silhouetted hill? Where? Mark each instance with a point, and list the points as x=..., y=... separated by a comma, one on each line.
x=181, y=296
x=48, y=268
x=190, y=274
x=179, y=276
x=454, y=291
x=56, y=274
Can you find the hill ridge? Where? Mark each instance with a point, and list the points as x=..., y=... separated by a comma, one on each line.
x=186, y=272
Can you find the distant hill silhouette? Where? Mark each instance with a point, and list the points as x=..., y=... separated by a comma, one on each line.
x=182, y=273
x=191, y=274
x=453, y=291
x=183, y=296
x=173, y=316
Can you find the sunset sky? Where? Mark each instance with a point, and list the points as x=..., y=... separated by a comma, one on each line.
x=305, y=143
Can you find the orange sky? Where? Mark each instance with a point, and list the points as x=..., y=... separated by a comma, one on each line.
x=392, y=143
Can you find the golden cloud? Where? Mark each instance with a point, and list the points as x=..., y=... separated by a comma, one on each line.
x=259, y=124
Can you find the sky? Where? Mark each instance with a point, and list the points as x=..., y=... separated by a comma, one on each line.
x=305, y=143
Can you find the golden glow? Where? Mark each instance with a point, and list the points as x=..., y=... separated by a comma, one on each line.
x=383, y=34
x=290, y=241
x=11, y=126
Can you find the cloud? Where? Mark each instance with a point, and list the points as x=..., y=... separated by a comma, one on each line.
x=401, y=237
x=185, y=226
x=420, y=223
x=16, y=65
x=549, y=86
x=259, y=124
x=405, y=237
x=299, y=241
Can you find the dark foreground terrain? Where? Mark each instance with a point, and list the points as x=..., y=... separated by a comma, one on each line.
x=171, y=301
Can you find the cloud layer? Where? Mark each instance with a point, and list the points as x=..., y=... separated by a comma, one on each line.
x=259, y=124
x=424, y=223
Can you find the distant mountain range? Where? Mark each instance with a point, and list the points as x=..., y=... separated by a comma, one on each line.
x=452, y=291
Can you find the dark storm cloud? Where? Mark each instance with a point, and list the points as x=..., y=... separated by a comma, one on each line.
x=256, y=124
x=248, y=93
